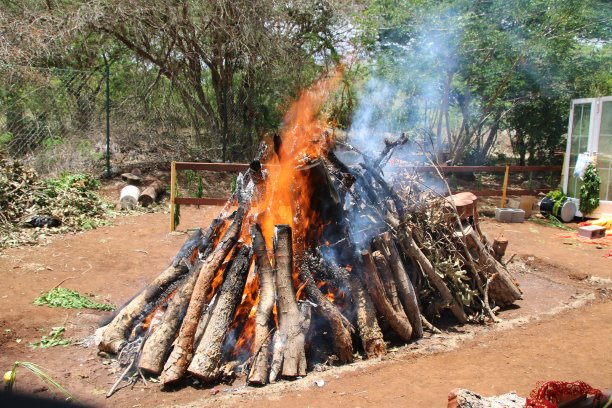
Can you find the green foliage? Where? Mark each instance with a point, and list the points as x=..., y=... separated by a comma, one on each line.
x=66, y=181
x=589, y=190
x=69, y=299
x=55, y=338
x=509, y=66
x=558, y=197
x=5, y=138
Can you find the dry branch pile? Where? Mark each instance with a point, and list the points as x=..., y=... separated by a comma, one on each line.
x=319, y=261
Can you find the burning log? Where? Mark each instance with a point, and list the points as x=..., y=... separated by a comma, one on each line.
x=115, y=335
x=341, y=327
x=289, y=358
x=263, y=317
x=396, y=318
x=181, y=355
x=406, y=291
x=157, y=347
x=205, y=363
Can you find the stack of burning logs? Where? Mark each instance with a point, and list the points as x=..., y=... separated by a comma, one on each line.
x=311, y=262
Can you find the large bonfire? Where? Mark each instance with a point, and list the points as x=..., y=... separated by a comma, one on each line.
x=311, y=262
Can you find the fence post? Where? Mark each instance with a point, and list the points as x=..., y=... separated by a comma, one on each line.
x=107, y=107
x=172, y=194
x=505, y=186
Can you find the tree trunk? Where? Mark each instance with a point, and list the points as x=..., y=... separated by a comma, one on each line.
x=205, y=363
x=292, y=327
x=369, y=330
x=157, y=347
x=396, y=319
x=406, y=291
x=263, y=318
x=149, y=194
x=181, y=355
x=116, y=333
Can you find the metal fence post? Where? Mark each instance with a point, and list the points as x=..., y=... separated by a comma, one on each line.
x=107, y=107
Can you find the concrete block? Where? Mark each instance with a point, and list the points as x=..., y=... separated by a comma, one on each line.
x=518, y=215
x=592, y=231
x=503, y=214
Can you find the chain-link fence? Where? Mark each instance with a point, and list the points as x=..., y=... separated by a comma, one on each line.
x=55, y=119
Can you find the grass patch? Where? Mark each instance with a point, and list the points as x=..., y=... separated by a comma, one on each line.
x=55, y=338
x=69, y=299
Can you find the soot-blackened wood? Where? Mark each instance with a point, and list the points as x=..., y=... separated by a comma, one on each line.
x=149, y=194
x=396, y=318
x=157, y=347
x=411, y=248
x=390, y=145
x=205, y=363
x=115, y=335
x=407, y=293
x=367, y=325
x=341, y=327
x=292, y=325
x=181, y=355
x=260, y=365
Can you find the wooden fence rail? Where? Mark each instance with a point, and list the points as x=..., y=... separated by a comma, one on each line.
x=238, y=167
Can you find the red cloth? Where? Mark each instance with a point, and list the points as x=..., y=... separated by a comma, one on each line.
x=550, y=393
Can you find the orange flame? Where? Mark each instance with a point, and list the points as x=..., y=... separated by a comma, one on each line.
x=286, y=199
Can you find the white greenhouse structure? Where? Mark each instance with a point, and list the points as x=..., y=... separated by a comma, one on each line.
x=590, y=132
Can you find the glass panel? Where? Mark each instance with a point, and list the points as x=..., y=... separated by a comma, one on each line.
x=605, y=182
x=579, y=144
x=606, y=119
x=604, y=154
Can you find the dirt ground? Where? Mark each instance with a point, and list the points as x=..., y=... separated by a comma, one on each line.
x=561, y=330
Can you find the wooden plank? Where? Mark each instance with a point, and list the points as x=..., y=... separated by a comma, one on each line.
x=473, y=169
x=235, y=167
x=200, y=201
x=497, y=193
x=218, y=167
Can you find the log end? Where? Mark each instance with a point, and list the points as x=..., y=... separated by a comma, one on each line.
x=375, y=348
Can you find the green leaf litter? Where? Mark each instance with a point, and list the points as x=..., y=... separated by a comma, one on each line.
x=69, y=299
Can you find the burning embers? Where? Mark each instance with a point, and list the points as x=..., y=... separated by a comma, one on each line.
x=318, y=261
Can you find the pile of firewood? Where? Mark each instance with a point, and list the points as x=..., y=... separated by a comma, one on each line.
x=313, y=261
x=370, y=267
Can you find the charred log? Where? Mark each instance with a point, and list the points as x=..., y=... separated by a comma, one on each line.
x=207, y=358
x=181, y=355
x=341, y=327
x=116, y=333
